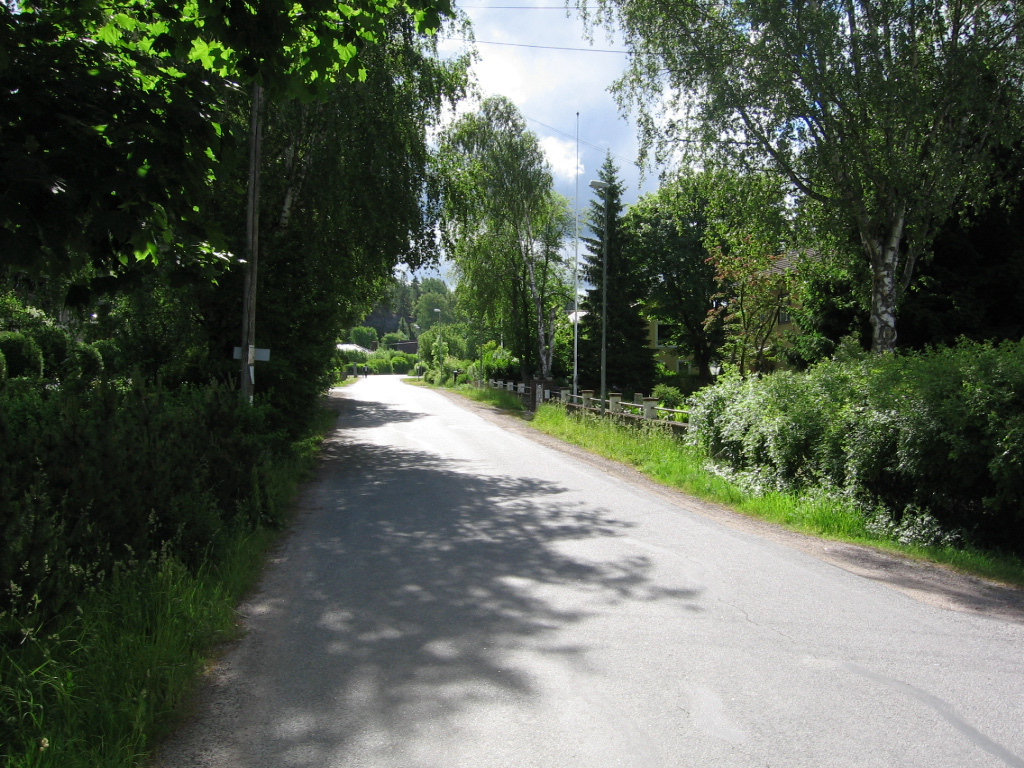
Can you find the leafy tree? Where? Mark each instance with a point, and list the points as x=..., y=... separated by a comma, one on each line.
x=755, y=292
x=363, y=336
x=395, y=310
x=434, y=285
x=391, y=340
x=830, y=304
x=145, y=194
x=747, y=233
x=665, y=232
x=885, y=114
x=276, y=47
x=503, y=225
x=105, y=146
x=432, y=308
x=630, y=358
x=401, y=301
x=331, y=247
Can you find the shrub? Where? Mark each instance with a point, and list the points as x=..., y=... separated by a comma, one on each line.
x=364, y=336
x=23, y=355
x=110, y=356
x=936, y=436
x=497, y=362
x=88, y=361
x=58, y=348
x=380, y=364
x=402, y=362
x=668, y=396
x=103, y=476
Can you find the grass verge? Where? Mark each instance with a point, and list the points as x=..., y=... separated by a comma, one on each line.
x=500, y=398
x=665, y=458
x=113, y=678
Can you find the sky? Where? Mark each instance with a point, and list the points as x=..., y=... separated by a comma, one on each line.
x=551, y=86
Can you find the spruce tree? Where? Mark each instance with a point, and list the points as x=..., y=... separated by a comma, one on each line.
x=630, y=358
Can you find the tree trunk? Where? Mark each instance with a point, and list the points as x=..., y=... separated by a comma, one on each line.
x=885, y=254
x=296, y=166
x=538, y=308
x=252, y=241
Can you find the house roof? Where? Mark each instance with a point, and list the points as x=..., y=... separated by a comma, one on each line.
x=576, y=315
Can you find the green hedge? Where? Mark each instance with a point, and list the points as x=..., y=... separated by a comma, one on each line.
x=112, y=474
x=932, y=440
x=23, y=355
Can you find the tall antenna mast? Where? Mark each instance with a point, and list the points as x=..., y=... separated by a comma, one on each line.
x=575, y=273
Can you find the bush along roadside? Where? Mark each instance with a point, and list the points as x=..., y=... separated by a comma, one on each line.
x=800, y=496
x=930, y=445
x=132, y=517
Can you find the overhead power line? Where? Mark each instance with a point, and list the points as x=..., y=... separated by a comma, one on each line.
x=582, y=141
x=545, y=47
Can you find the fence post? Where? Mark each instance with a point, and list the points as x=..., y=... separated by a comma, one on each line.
x=650, y=406
x=614, y=398
x=588, y=398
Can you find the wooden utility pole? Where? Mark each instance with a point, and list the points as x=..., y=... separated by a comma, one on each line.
x=252, y=244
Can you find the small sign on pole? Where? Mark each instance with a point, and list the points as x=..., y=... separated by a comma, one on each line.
x=256, y=354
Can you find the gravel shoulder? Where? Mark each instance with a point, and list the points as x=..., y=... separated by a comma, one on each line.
x=929, y=583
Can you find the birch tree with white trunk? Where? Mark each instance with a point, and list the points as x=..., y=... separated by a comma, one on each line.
x=886, y=113
x=499, y=196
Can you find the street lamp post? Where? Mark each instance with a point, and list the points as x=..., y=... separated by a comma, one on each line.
x=439, y=339
x=602, y=186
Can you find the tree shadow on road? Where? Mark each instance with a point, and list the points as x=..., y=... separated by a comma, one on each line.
x=367, y=414
x=411, y=591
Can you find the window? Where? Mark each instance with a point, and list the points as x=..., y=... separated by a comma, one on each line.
x=665, y=334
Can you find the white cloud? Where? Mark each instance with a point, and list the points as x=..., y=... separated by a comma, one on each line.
x=551, y=86
x=561, y=154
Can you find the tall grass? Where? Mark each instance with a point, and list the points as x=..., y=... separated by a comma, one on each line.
x=98, y=689
x=664, y=457
x=101, y=686
x=500, y=398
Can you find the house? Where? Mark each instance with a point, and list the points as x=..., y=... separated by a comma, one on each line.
x=353, y=348
x=766, y=323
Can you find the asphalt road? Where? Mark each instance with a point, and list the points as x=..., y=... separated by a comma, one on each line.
x=456, y=595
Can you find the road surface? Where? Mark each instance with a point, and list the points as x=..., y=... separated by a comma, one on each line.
x=456, y=595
